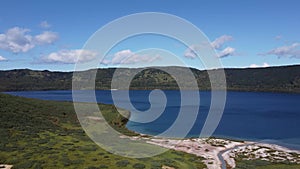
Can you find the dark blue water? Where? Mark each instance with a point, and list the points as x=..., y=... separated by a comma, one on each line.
x=267, y=117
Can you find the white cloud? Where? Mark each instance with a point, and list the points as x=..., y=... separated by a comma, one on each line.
x=105, y=62
x=129, y=57
x=217, y=44
x=292, y=51
x=121, y=56
x=190, y=51
x=2, y=58
x=70, y=56
x=46, y=37
x=16, y=40
x=226, y=52
x=45, y=25
x=257, y=66
x=19, y=40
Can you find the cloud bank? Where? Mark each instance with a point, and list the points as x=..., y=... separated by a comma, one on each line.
x=291, y=51
x=82, y=56
x=18, y=40
x=217, y=44
x=257, y=66
x=46, y=37
x=70, y=56
x=226, y=52
x=129, y=57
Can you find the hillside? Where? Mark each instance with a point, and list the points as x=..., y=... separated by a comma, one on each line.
x=277, y=79
x=46, y=134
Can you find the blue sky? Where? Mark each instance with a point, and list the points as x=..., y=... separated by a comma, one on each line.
x=50, y=34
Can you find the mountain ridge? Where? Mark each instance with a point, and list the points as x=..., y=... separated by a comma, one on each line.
x=271, y=79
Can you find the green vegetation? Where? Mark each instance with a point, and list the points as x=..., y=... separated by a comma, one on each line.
x=261, y=164
x=274, y=79
x=46, y=134
x=116, y=120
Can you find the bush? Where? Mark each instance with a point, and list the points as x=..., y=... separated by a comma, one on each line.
x=138, y=166
x=26, y=164
x=156, y=164
x=122, y=163
x=103, y=166
x=92, y=167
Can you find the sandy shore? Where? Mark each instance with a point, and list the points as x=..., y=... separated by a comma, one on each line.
x=217, y=152
x=5, y=166
x=268, y=152
x=206, y=148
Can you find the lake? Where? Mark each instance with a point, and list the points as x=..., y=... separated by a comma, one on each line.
x=256, y=116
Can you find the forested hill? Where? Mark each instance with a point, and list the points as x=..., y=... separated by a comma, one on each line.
x=278, y=79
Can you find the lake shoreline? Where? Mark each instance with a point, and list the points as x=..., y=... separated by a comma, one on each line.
x=219, y=153
x=150, y=89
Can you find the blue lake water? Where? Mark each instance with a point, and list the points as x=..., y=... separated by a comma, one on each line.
x=258, y=116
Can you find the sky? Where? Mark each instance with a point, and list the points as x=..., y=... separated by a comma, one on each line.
x=50, y=35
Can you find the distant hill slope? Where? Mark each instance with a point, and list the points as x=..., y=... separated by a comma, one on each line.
x=277, y=79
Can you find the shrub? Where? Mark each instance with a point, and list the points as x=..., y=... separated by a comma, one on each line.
x=122, y=163
x=138, y=166
x=92, y=167
x=103, y=166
